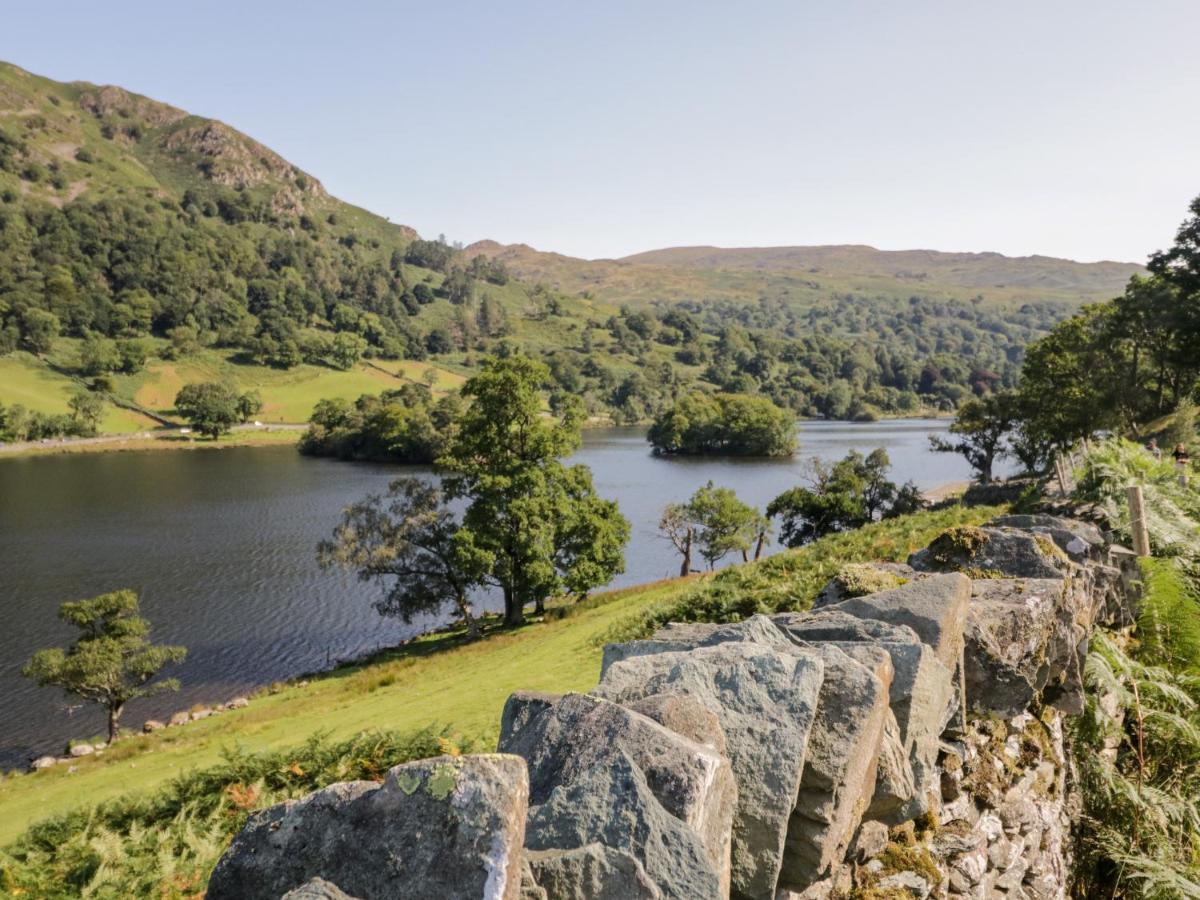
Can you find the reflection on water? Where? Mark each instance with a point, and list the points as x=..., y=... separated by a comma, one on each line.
x=221, y=546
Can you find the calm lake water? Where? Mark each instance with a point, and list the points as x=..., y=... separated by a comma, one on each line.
x=220, y=543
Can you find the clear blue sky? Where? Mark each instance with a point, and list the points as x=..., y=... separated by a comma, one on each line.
x=604, y=128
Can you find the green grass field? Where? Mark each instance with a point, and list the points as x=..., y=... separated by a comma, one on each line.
x=32, y=384
x=288, y=395
x=433, y=680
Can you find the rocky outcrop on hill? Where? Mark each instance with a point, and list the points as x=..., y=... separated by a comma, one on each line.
x=903, y=739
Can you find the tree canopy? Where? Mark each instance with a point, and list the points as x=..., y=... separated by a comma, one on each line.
x=842, y=495
x=538, y=520
x=724, y=424
x=112, y=661
x=409, y=539
x=210, y=407
x=714, y=523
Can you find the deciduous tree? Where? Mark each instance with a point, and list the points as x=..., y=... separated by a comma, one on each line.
x=112, y=661
x=410, y=540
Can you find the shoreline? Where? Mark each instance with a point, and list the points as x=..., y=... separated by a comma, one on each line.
x=169, y=439
x=273, y=434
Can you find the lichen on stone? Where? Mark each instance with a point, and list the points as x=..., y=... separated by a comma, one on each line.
x=408, y=782
x=443, y=781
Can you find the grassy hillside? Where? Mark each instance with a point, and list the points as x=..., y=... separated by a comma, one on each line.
x=437, y=680
x=806, y=275
x=288, y=395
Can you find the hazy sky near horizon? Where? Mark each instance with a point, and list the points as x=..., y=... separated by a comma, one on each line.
x=1061, y=127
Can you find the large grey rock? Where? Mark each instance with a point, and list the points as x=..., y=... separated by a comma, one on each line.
x=895, y=784
x=596, y=767
x=1023, y=642
x=680, y=636
x=592, y=872
x=443, y=827
x=993, y=552
x=935, y=608
x=521, y=708
x=317, y=889
x=1082, y=541
x=829, y=624
x=922, y=698
x=613, y=804
x=766, y=701
x=839, y=771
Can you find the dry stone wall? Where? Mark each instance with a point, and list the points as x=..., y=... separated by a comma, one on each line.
x=905, y=738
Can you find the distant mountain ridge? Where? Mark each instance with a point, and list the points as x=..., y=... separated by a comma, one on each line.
x=679, y=270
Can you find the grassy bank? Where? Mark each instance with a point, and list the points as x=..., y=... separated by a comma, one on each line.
x=162, y=440
x=288, y=395
x=439, y=681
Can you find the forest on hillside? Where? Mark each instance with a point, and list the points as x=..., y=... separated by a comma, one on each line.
x=140, y=232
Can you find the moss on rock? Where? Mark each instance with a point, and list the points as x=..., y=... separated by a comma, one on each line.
x=955, y=547
x=861, y=579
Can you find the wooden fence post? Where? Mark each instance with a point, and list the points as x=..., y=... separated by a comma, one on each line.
x=1060, y=467
x=1137, y=521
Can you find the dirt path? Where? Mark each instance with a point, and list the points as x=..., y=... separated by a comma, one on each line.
x=945, y=491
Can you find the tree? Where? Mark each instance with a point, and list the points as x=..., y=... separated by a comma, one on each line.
x=211, y=408
x=39, y=328
x=249, y=405
x=714, y=523
x=347, y=349
x=1071, y=381
x=112, y=661
x=132, y=353
x=727, y=424
x=527, y=511
x=980, y=427
x=86, y=409
x=409, y=537
x=98, y=355
x=678, y=527
x=589, y=547
x=847, y=494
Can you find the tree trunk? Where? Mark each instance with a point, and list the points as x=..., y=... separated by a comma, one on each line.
x=758, y=548
x=464, y=610
x=514, y=612
x=686, y=568
x=114, y=718
x=539, y=606
x=985, y=470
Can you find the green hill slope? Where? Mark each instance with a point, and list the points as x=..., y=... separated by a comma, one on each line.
x=809, y=273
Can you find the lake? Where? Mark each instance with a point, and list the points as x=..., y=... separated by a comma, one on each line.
x=221, y=546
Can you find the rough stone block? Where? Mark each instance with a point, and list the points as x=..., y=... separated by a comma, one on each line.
x=442, y=827
x=1022, y=640
x=991, y=552
x=599, y=772
x=521, y=708
x=766, y=701
x=839, y=772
